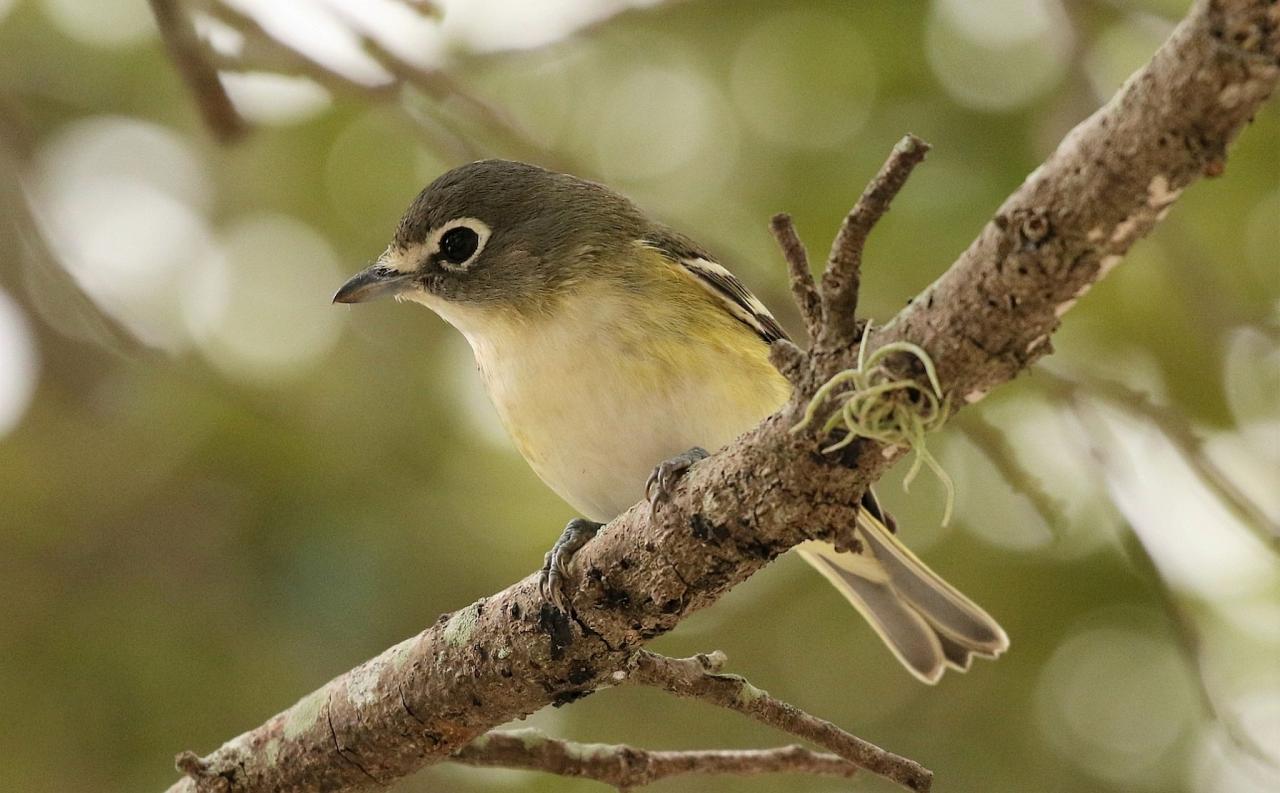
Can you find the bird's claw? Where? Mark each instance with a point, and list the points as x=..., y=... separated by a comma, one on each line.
x=658, y=487
x=555, y=565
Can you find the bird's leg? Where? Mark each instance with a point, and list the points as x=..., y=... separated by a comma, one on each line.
x=555, y=565
x=663, y=479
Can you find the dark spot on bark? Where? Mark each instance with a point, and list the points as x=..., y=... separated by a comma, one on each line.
x=566, y=697
x=482, y=652
x=671, y=606
x=553, y=622
x=754, y=549
x=652, y=632
x=1001, y=222
x=624, y=563
x=580, y=672
x=515, y=611
x=614, y=597
x=1035, y=229
x=476, y=701
x=707, y=531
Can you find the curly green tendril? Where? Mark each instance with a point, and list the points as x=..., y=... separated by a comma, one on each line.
x=872, y=403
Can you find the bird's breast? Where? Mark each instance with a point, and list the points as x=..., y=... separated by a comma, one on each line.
x=598, y=394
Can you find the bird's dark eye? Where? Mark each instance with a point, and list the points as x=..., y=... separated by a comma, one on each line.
x=458, y=244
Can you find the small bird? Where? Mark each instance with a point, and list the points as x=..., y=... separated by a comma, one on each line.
x=616, y=352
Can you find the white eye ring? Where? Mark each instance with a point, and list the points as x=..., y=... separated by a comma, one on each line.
x=481, y=230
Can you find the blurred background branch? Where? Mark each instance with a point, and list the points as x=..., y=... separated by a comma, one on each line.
x=191, y=59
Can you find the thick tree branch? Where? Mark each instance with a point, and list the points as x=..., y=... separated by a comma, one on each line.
x=627, y=767
x=986, y=319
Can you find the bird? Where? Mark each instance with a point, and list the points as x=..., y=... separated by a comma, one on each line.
x=616, y=352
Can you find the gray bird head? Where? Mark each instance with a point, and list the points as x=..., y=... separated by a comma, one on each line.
x=500, y=233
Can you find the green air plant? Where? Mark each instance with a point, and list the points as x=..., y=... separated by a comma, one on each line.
x=872, y=403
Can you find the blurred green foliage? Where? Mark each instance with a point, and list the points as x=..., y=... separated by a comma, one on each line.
x=200, y=527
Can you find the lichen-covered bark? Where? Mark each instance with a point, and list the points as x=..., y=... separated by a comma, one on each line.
x=987, y=318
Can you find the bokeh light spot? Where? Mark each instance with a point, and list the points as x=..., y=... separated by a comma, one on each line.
x=274, y=99
x=1121, y=50
x=804, y=80
x=1003, y=67
x=102, y=23
x=654, y=122
x=269, y=318
x=19, y=364
x=1116, y=702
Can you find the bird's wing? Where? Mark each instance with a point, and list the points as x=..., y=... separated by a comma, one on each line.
x=719, y=282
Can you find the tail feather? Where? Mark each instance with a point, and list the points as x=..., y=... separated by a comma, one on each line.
x=912, y=640
x=942, y=604
x=925, y=621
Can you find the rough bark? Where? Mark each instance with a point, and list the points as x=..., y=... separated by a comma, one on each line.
x=987, y=318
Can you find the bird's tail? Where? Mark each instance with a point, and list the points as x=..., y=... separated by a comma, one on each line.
x=926, y=623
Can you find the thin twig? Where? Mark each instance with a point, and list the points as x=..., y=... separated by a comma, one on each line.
x=802, y=286
x=442, y=86
x=699, y=678
x=1184, y=437
x=626, y=767
x=262, y=50
x=191, y=58
x=1181, y=618
x=788, y=359
x=842, y=278
x=994, y=444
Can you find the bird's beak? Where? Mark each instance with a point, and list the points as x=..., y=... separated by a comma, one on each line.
x=372, y=283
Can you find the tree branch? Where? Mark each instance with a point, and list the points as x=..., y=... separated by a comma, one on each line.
x=191, y=58
x=843, y=276
x=627, y=767
x=803, y=289
x=986, y=319
x=699, y=678
x=1180, y=432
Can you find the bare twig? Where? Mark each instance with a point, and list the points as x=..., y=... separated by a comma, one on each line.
x=1180, y=617
x=626, y=767
x=699, y=678
x=263, y=50
x=191, y=58
x=801, y=278
x=993, y=443
x=982, y=322
x=1179, y=431
x=842, y=278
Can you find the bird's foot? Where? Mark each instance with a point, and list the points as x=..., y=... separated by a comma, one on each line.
x=663, y=479
x=555, y=565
